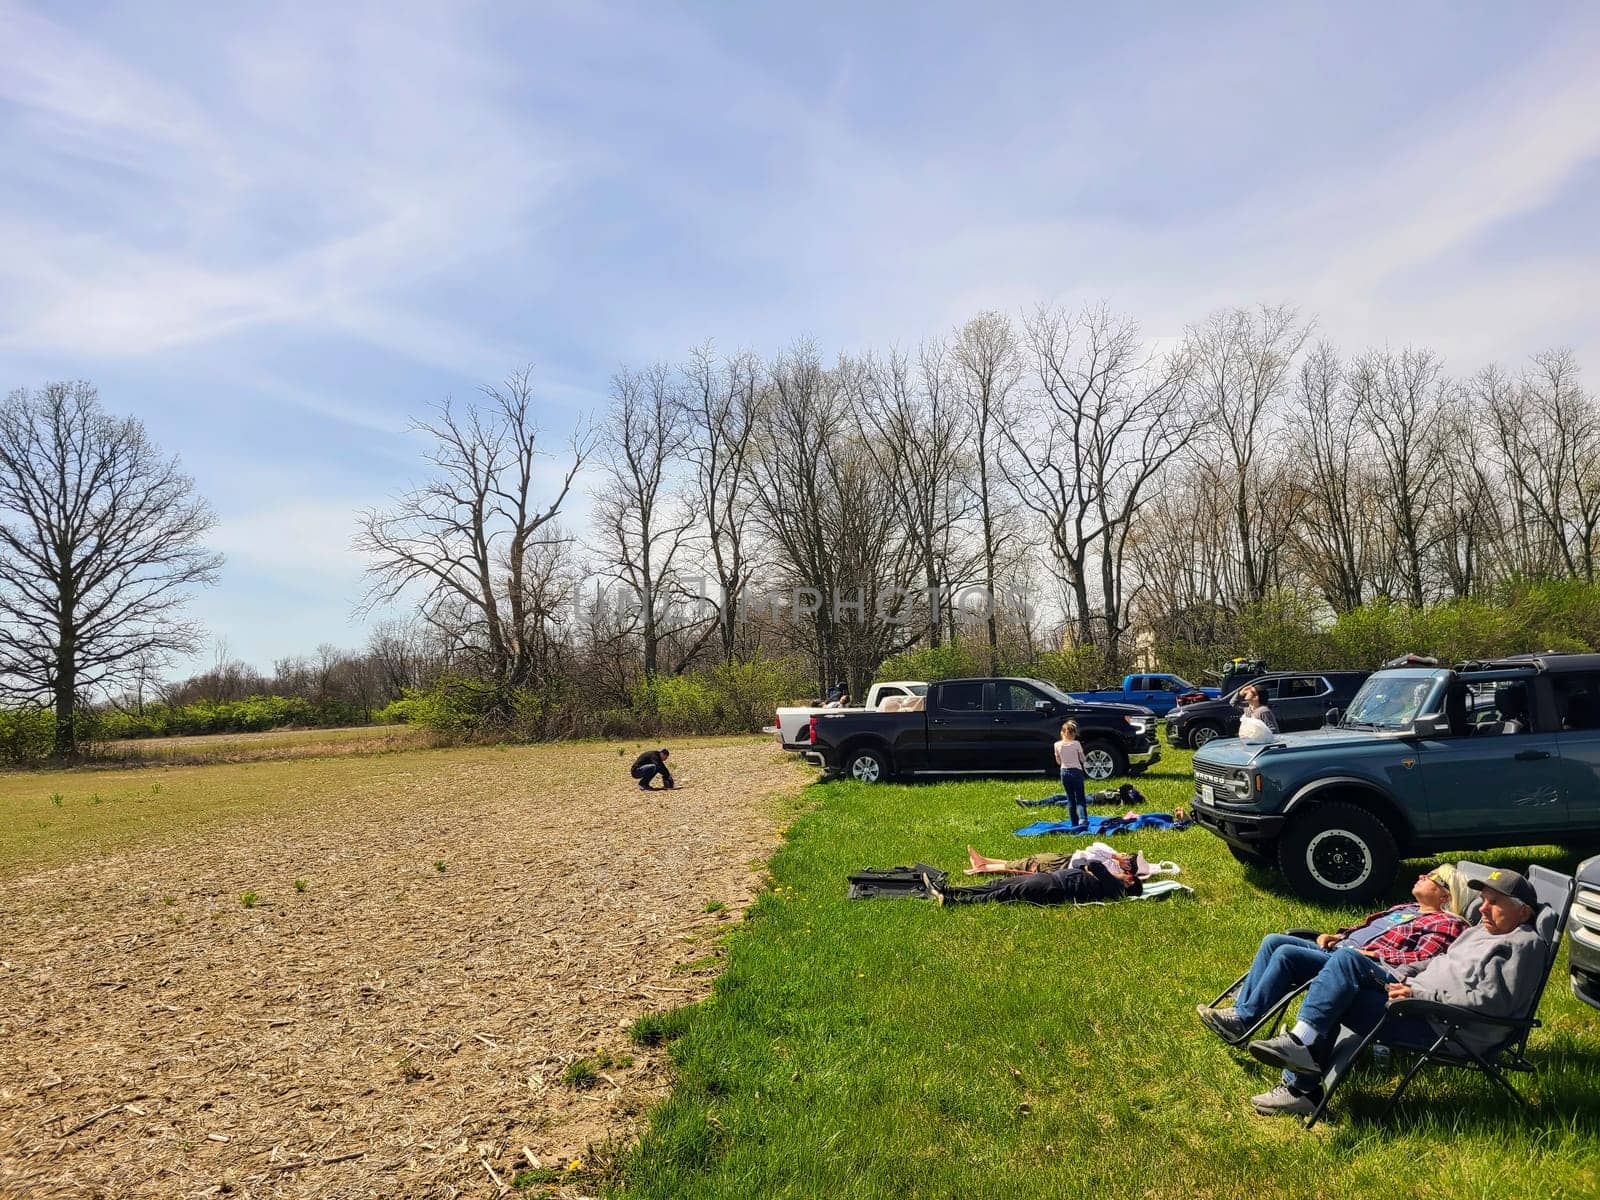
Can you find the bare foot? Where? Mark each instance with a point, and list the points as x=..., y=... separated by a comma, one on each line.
x=976, y=859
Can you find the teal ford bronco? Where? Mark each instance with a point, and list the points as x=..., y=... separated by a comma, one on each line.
x=1426, y=759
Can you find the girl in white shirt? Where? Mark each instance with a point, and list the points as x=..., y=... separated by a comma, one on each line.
x=1069, y=757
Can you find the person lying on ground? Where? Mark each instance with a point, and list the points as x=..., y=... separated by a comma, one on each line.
x=1494, y=968
x=1407, y=933
x=1072, y=885
x=1034, y=864
x=650, y=764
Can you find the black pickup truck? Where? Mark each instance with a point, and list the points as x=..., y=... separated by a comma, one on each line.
x=987, y=727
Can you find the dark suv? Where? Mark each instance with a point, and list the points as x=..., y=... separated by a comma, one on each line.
x=1299, y=699
x=1425, y=759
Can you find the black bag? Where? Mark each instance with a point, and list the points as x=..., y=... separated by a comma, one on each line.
x=894, y=882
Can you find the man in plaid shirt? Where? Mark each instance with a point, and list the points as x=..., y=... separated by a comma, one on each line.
x=1406, y=933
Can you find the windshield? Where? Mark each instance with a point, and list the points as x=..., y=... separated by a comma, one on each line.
x=1392, y=699
x=1184, y=685
x=918, y=689
x=1053, y=692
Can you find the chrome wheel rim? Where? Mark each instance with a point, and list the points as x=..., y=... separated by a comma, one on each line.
x=1098, y=764
x=865, y=769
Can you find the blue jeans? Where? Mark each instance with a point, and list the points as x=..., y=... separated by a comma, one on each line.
x=1071, y=795
x=1351, y=990
x=1282, y=963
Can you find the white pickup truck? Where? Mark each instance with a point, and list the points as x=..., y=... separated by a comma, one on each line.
x=793, y=725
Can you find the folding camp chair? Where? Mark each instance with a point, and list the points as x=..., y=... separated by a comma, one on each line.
x=1555, y=892
x=1266, y=1025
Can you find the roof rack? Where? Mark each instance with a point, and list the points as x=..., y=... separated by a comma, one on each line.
x=1410, y=660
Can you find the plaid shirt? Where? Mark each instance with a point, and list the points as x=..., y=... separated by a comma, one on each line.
x=1426, y=934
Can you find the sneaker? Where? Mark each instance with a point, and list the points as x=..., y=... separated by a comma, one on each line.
x=1281, y=1102
x=1283, y=1051
x=1224, y=1022
x=938, y=896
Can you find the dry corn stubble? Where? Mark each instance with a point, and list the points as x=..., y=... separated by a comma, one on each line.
x=392, y=1030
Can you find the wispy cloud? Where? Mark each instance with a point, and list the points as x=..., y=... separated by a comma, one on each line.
x=278, y=234
x=311, y=195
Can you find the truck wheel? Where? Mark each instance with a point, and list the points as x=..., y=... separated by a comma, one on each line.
x=1249, y=857
x=866, y=766
x=1203, y=733
x=1102, y=760
x=1338, y=852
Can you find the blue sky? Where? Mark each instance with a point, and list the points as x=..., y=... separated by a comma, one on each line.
x=272, y=232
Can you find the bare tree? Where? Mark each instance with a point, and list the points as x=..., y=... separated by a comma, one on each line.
x=1548, y=434
x=918, y=433
x=405, y=656
x=1469, y=520
x=641, y=524
x=722, y=402
x=1242, y=361
x=987, y=360
x=1334, y=529
x=1399, y=400
x=465, y=537
x=1113, y=414
x=100, y=537
x=832, y=521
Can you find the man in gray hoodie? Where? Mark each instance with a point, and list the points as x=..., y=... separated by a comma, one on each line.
x=1493, y=968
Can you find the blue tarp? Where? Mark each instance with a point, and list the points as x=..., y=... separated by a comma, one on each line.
x=1100, y=826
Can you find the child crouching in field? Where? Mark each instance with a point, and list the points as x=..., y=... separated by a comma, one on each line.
x=1069, y=757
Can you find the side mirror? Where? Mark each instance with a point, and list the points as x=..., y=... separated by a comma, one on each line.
x=1331, y=717
x=1430, y=725
x=1044, y=707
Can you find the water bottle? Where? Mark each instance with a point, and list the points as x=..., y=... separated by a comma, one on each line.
x=1382, y=1057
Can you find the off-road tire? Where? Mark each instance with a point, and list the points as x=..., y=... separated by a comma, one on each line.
x=1338, y=853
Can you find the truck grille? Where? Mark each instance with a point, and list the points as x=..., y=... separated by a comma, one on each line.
x=1585, y=920
x=1217, y=779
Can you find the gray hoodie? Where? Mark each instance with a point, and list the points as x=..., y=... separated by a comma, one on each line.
x=1495, y=974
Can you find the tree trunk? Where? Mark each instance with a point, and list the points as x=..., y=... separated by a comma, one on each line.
x=66, y=739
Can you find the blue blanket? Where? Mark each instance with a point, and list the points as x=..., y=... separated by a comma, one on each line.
x=1103, y=825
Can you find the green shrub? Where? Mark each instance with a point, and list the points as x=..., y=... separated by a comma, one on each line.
x=953, y=660
x=27, y=735
x=1078, y=669
x=676, y=703
x=746, y=693
x=405, y=711
x=457, y=708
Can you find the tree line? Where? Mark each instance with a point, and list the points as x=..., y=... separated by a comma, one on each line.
x=1035, y=483
x=1049, y=483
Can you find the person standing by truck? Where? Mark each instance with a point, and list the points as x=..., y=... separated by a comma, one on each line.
x=1255, y=706
x=1069, y=757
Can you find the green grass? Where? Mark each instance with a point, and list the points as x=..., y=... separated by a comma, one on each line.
x=890, y=1048
x=580, y=1074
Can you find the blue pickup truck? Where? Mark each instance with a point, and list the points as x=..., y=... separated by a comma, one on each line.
x=1426, y=759
x=1158, y=693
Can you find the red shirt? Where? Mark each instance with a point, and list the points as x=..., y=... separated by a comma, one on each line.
x=1412, y=935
